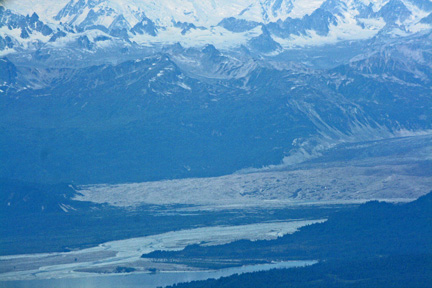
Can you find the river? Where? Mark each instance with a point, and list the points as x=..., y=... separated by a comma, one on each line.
x=146, y=280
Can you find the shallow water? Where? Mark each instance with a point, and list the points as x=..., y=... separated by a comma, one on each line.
x=143, y=280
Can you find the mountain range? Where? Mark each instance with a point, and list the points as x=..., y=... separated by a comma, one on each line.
x=143, y=90
x=282, y=24
x=130, y=118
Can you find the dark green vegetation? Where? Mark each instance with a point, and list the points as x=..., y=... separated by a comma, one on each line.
x=32, y=220
x=376, y=245
x=372, y=229
x=407, y=271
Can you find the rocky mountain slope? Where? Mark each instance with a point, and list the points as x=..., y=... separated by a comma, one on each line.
x=280, y=24
x=143, y=90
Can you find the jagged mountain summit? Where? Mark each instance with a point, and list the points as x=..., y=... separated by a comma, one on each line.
x=146, y=90
x=263, y=26
x=138, y=118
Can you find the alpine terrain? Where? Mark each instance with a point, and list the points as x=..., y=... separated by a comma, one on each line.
x=133, y=126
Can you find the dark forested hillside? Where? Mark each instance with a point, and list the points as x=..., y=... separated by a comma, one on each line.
x=390, y=272
x=374, y=229
x=377, y=245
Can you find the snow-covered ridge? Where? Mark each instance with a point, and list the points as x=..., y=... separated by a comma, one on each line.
x=205, y=12
x=264, y=26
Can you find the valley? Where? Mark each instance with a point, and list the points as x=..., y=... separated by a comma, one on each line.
x=159, y=142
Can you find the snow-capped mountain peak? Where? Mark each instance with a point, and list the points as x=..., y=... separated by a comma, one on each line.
x=283, y=24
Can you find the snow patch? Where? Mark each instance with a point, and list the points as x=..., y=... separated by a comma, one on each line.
x=303, y=8
x=184, y=86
